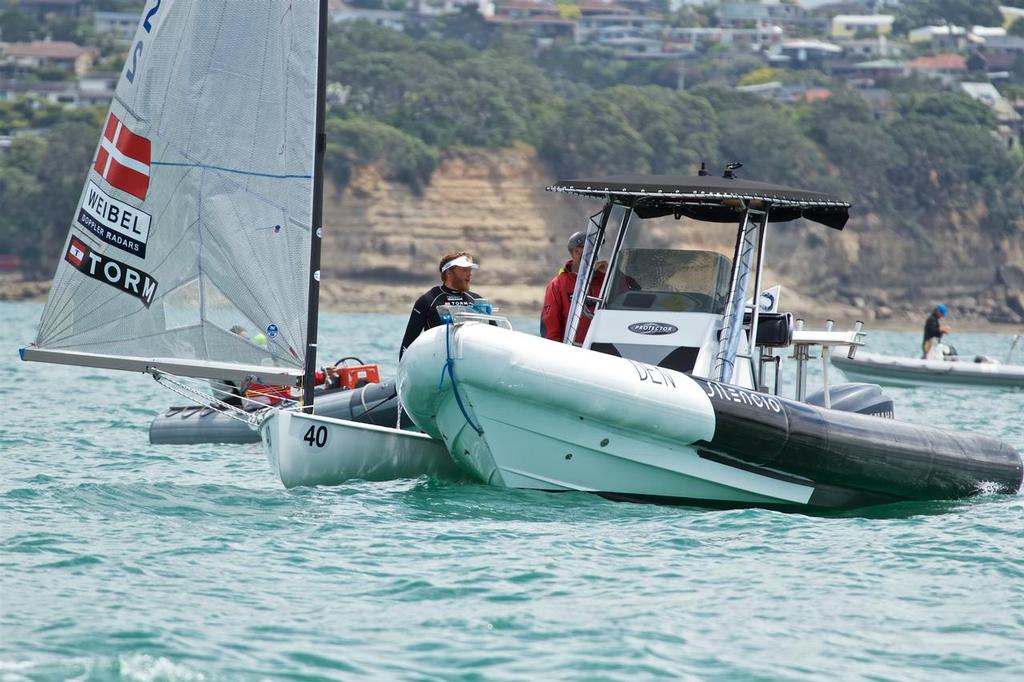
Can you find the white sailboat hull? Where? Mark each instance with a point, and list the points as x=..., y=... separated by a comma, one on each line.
x=309, y=450
x=889, y=370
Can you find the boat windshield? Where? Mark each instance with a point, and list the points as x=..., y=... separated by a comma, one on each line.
x=670, y=280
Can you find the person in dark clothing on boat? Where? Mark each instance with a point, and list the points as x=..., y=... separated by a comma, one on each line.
x=456, y=274
x=934, y=329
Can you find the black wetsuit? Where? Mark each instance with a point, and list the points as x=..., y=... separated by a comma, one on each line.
x=424, y=311
x=932, y=328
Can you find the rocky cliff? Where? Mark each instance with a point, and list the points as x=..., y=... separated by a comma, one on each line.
x=383, y=242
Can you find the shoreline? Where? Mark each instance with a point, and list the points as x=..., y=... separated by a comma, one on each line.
x=525, y=300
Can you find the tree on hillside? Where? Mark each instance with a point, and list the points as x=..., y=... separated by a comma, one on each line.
x=680, y=129
x=359, y=142
x=915, y=13
x=944, y=165
x=856, y=143
x=947, y=106
x=772, y=148
x=40, y=184
x=595, y=138
x=16, y=26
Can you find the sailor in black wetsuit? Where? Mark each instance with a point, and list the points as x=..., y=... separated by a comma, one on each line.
x=934, y=329
x=456, y=273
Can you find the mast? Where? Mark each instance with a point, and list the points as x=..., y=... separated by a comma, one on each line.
x=320, y=143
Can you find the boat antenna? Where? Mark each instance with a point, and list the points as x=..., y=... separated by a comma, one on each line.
x=316, y=236
x=703, y=170
x=729, y=168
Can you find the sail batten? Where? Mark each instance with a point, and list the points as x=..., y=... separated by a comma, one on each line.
x=192, y=235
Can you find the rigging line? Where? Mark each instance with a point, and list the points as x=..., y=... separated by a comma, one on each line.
x=275, y=176
x=207, y=400
x=371, y=408
x=234, y=184
x=114, y=297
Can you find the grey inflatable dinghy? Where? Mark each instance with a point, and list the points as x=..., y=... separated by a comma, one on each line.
x=371, y=404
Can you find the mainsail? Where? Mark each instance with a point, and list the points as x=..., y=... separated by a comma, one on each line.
x=190, y=247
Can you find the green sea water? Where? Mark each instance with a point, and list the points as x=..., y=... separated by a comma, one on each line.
x=125, y=561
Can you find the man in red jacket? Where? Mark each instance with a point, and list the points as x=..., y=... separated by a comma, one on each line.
x=558, y=295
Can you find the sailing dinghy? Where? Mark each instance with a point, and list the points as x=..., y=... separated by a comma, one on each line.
x=201, y=215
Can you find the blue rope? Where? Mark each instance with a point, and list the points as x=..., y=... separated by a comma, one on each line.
x=449, y=365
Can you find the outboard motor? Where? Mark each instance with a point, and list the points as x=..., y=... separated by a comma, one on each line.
x=856, y=397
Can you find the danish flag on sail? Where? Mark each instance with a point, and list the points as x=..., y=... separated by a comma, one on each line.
x=124, y=158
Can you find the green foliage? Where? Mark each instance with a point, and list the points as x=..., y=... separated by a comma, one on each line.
x=768, y=141
x=357, y=142
x=947, y=106
x=1016, y=28
x=599, y=67
x=599, y=141
x=680, y=129
x=916, y=13
x=31, y=113
x=40, y=183
x=16, y=26
x=442, y=92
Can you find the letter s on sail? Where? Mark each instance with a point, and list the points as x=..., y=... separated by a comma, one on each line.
x=129, y=72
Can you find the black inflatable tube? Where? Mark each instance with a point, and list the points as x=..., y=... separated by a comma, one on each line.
x=856, y=451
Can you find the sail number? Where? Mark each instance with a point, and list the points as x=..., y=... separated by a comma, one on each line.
x=130, y=72
x=316, y=435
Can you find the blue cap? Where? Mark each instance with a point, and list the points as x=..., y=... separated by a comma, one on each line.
x=941, y=308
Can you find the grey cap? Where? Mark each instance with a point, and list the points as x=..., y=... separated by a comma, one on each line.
x=577, y=239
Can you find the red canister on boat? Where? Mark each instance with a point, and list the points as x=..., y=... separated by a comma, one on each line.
x=354, y=376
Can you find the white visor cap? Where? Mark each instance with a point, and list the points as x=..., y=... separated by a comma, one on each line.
x=460, y=262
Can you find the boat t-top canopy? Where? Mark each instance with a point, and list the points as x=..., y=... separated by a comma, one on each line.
x=708, y=198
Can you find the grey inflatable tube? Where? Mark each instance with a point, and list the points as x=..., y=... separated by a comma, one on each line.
x=371, y=404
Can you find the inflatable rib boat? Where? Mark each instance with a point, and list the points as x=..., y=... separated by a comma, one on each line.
x=525, y=412
x=673, y=396
x=896, y=371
